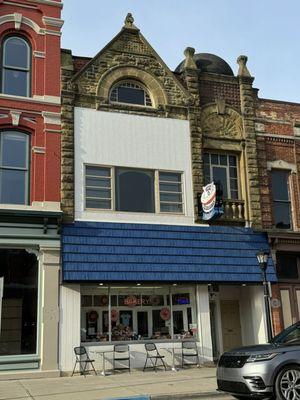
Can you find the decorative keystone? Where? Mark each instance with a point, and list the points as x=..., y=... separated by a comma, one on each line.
x=243, y=70
x=189, y=61
x=129, y=20
x=18, y=21
x=15, y=117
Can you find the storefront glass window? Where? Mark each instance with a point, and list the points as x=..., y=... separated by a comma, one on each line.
x=19, y=271
x=136, y=313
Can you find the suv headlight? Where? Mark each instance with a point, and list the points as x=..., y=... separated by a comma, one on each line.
x=261, y=357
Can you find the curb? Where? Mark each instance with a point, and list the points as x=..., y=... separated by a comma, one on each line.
x=189, y=396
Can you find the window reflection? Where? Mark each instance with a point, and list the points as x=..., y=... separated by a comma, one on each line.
x=19, y=304
x=281, y=199
x=135, y=314
x=16, y=66
x=14, y=167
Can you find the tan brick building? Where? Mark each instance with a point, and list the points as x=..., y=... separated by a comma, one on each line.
x=139, y=142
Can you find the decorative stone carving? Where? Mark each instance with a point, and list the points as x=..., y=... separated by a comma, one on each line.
x=15, y=117
x=223, y=125
x=281, y=164
x=243, y=70
x=128, y=23
x=189, y=61
x=18, y=21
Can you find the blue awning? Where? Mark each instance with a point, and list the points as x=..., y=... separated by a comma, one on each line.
x=100, y=251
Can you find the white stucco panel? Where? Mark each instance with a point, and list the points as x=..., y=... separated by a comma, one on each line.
x=117, y=139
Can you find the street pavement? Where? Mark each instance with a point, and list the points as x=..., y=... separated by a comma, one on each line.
x=187, y=384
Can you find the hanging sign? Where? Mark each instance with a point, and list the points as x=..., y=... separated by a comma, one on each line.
x=93, y=316
x=114, y=315
x=210, y=202
x=165, y=313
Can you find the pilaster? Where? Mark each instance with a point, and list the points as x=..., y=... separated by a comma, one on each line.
x=203, y=321
x=248, y=116
x=50, y=266
x=192, y=82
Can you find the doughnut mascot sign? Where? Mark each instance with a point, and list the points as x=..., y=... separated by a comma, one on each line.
x=210, y=204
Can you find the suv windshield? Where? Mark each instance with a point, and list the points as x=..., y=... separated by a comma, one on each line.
x=288, y=335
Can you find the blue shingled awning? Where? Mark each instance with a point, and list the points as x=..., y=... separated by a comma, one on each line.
x=93, y=251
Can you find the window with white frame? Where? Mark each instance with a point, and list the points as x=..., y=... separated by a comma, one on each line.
x=281, y=199
x=130, y=92
x=170, y=192
x=133, y=190
x=137, y=313
x=14, y=167
x=98, y=187
x=16, y=60
x=223, y=169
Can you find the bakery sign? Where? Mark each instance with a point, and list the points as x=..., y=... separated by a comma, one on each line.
x=210, y=202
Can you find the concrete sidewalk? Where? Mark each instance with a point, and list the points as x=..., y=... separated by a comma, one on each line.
x=193, y=383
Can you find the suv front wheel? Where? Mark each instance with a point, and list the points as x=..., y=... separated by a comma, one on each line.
x=287, y=385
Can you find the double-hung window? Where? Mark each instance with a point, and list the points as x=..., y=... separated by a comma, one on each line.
x=133, y=190
x=14, y=167
x=223, y=169
x=16, y=60
x=281, y=199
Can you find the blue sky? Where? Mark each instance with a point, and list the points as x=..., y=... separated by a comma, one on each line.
x=267, y=31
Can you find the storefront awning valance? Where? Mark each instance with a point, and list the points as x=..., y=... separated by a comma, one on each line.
x=100, y=251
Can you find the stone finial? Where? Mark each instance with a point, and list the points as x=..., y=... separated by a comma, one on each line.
x=243, y=70
x=189, y=61
x=129, y=20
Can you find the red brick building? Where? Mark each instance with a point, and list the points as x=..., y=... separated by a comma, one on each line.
x=29, y=183
x=278, y=145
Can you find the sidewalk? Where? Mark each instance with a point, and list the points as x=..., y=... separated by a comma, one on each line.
x=193, y=383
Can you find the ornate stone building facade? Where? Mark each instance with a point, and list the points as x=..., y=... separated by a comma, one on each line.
x=139, y=142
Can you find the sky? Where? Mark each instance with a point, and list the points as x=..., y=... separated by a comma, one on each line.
x=267, y=31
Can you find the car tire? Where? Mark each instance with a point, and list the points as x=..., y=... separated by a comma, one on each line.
x=285, y=382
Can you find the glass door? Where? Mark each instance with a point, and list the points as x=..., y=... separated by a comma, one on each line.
x=142, y=324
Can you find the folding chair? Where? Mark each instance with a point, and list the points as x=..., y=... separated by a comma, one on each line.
x=189, y=349
x=83, y=359
x=153, y=354
x=121, y=353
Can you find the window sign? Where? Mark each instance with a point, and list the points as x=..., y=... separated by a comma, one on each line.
x=134, y=316
x=180, y=299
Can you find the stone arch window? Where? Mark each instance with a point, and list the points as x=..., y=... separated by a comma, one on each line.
x=16, y=66
x=14, y=167
x=130, y=92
